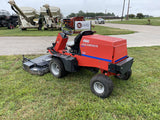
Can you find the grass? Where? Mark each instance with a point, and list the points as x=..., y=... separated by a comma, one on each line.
x=110, y=31
x=154, y=21
x=31, y=97
x=33, y=32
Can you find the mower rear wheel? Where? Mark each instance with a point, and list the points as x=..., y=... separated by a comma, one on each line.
x=125, y=76
x=101, y=85
x=57, y=68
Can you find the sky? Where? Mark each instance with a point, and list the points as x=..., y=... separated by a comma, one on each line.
x=147, y=7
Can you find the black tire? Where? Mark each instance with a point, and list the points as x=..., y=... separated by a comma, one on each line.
x=57, y=68
x=23, y=29
x=126, y=76
x=101, y=85
x=45, y=28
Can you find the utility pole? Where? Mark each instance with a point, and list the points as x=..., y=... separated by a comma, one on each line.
x=128, y=10
x=105, y=11
x=123, y=9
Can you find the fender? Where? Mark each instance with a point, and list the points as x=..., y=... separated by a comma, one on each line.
x=70, y=63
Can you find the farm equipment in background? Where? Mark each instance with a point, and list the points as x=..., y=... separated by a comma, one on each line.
x=7, y=20
x=28, y=17
x=89, y=50
x=48, y=17
x=69, y=23
x=51, y=16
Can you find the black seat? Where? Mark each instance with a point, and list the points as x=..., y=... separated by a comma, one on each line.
x=75, y=48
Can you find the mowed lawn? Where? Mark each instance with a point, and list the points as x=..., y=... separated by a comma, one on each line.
x=34, y=32
x=31, y=97
x=153, y=21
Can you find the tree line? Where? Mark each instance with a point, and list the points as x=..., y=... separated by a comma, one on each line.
x=94, y=15
x=139, y=16
x=89, y=14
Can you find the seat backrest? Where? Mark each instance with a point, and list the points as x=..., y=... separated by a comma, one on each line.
x=79, y=37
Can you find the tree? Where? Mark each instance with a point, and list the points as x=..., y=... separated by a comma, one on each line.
x=89, y=14
x=140, y=15
x=81, y=13
x=132, y=16
x=71, y=15
x=100, y=14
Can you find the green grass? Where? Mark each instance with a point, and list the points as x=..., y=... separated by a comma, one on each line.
x=154, y=21
x=29, y=32
x=110, y=31
x=31, y=97
x=33, y=32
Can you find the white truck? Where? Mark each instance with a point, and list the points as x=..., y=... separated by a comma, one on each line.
x=99, y=21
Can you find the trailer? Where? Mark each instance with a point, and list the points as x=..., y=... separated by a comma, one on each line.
x=69, y=23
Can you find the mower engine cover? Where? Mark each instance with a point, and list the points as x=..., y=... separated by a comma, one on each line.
x=37, y=66
x=100, y=50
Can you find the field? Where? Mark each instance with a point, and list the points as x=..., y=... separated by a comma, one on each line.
x=153, y=21
x=31, y=97
x=33, y=32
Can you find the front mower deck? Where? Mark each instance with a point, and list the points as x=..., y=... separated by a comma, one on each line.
x=37, y=66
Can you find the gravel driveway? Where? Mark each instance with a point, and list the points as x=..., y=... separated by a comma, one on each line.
x=145, y=36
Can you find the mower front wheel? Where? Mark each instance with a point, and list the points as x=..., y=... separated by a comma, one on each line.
x=101, y=85
x=57, y=68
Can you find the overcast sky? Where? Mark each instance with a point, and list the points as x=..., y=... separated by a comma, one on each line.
x=149, y=7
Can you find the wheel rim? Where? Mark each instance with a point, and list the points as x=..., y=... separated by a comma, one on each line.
x=98, y=87
x=55, y=68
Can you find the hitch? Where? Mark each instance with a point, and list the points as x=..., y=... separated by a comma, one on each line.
x=25, y=59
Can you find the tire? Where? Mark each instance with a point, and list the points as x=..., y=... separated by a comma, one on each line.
x=45, y=28
x=57, y=68
x=23, y=29
x=126, y=76
x=101, y=85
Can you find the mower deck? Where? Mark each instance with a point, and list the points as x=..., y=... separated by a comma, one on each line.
x=37, y=66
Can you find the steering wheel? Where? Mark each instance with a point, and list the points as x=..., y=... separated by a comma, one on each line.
x=67, y=32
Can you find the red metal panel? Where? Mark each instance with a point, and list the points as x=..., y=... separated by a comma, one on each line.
x=98, y=51
x=120, y=53
x=60, y=43
x=90, y=62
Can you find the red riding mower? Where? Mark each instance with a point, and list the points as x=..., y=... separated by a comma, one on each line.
x=96, y=52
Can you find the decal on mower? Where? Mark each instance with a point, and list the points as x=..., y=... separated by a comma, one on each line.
x=86, y=41
x=121, y=58
x=83, y=54
x=89, y=45
x=97, y=58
